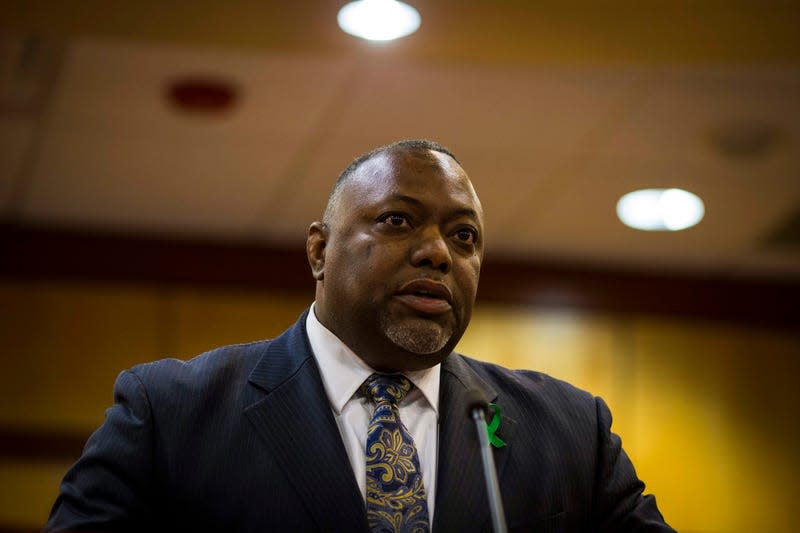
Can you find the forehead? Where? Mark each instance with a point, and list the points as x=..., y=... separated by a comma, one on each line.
x=427, y=176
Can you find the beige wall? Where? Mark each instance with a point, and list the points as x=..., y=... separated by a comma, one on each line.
x=707, y=411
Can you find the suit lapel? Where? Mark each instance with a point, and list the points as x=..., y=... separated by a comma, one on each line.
x=461, y=500
x=295, y=422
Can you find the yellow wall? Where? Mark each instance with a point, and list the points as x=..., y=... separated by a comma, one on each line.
x=707, y=411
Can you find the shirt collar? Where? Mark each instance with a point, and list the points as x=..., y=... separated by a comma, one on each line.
x=343, y=371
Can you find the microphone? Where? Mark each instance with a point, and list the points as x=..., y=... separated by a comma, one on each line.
x=477, y=409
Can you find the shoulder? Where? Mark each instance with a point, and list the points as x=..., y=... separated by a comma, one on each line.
x=525, y=382
x=223, y=363
x=531, y=394
x=173, y=383
x=218, y=379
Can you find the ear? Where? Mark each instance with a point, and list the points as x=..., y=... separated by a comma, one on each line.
x=315, y=248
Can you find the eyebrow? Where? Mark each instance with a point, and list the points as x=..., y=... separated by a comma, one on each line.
x=464, y=211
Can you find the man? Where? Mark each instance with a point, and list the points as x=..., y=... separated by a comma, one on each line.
x=356, y=417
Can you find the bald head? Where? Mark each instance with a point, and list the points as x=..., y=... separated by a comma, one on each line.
x=423, y=147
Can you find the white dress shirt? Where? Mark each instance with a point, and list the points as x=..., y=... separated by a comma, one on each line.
x=343, y=372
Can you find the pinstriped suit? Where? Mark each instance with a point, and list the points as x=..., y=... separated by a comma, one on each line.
x=243, y=439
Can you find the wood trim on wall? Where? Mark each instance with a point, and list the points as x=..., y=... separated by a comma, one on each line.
x=40, y=253
x=41, y=444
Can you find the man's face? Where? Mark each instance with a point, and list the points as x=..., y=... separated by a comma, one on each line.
x=399, y=259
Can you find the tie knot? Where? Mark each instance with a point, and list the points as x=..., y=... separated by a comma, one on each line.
x=387, y=388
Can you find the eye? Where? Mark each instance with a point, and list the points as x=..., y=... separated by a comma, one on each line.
x=396, y=220
x=466, y=235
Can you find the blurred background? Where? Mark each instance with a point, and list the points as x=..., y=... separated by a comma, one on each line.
x=160, y=163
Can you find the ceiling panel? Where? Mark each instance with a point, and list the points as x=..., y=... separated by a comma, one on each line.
x=116, y=153
x=555, y=110
x=514, y=129
x=683, y=106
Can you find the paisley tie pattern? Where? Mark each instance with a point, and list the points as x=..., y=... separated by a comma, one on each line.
x=396, y=500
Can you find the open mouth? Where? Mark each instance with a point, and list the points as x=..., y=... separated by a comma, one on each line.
x=426, y=296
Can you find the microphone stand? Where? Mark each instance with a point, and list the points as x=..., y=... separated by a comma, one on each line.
x=477, y=410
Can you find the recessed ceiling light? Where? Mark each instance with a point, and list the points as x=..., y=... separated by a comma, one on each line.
x=660, y=209
x=378, y=20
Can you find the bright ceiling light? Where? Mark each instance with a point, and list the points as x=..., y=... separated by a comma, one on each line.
x=378, y=20
x=660, y=209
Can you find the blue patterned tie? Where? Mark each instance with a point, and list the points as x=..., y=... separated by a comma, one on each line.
x=396, y=500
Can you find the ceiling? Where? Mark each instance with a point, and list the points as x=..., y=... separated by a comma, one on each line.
x=554, y=109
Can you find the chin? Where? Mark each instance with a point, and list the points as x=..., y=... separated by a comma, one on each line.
x=419, y=336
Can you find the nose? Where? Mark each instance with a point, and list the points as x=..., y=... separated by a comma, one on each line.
x=431, y=251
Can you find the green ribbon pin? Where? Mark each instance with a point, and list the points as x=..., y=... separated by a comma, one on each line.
x=492, y=427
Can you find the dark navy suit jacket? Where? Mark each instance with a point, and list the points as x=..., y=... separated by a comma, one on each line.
x=243, y=438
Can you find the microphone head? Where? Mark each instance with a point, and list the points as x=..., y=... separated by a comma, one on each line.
x=477, y=400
